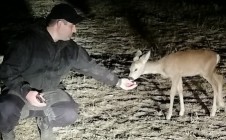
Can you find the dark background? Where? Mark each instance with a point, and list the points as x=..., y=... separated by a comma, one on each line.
x=16, y=14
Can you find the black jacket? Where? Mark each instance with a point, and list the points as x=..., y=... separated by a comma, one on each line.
x=36, y=61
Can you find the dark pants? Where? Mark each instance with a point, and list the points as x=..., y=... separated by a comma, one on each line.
x=61, y=109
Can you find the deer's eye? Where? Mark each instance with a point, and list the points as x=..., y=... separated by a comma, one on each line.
x=135, y=70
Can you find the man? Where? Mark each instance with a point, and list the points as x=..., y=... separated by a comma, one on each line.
x=31, y=73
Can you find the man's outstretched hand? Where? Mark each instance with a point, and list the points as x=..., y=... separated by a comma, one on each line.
x=126, y=84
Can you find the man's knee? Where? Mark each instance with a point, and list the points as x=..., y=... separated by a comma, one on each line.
x=10, y=108
x=70, y=115
x=65, y=113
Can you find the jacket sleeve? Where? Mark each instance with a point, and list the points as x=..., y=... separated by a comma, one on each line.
x=14, y=63
x=85, y=65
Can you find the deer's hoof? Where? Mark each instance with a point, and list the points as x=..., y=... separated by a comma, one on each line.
x=168, y=117
x=212, y=114
x=181, y=113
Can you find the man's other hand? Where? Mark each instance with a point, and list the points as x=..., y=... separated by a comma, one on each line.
x=35, y=99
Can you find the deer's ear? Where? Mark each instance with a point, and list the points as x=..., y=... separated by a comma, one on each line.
x=137, y=55
x=135, y=58
x=145, y=57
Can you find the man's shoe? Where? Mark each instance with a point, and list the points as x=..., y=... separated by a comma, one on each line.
x=8, y=136
x=45, y=130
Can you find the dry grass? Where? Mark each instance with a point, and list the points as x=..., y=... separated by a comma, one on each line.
x=108, y=113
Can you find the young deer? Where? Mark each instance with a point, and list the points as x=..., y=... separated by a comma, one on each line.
x=182, y=64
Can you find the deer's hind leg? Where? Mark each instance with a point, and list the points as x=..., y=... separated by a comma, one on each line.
x=180, y=92
x=210, y=78
x=219, y=79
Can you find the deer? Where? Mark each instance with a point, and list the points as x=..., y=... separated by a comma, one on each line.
x=180, y=64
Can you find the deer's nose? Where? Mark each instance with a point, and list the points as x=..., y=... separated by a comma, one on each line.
x=131, y=78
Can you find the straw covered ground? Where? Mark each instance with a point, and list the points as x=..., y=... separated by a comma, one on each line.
x=112, y=33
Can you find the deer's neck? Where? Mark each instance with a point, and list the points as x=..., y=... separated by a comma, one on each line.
x=153, y=68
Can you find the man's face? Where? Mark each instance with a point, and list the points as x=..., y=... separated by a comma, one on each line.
x=65, y=30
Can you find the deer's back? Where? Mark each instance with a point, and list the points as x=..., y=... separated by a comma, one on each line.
x=190, y=62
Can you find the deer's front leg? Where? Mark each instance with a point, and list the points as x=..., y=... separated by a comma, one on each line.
x=172, y=95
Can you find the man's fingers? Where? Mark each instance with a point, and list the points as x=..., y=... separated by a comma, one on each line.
x=131, y=87
x=39, y=104
x=40, y=98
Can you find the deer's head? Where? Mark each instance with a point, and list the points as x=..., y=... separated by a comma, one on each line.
x=137, y=68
